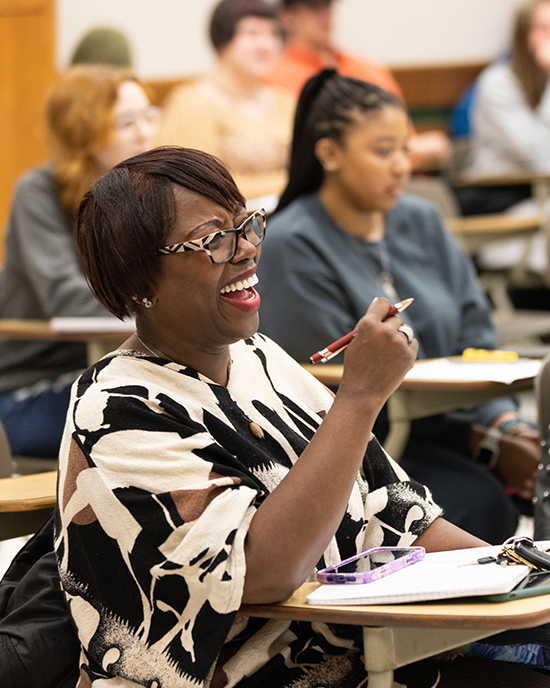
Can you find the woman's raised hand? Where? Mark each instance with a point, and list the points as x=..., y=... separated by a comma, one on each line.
x=378, y=357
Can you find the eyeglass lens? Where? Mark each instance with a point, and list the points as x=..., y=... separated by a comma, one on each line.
x=149, y=114
x=224, y=247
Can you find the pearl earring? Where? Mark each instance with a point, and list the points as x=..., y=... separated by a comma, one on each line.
x=329, y=166
x=145, y=301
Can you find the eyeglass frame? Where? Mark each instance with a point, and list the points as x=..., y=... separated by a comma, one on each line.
x=202, y=243
x=149, y=114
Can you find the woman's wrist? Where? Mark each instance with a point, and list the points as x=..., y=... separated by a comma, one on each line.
x=514, y=424
x=510, y=422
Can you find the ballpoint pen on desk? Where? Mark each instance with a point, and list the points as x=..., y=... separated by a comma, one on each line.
x=340, y=344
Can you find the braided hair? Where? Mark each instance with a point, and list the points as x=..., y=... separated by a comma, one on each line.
x=326, y=109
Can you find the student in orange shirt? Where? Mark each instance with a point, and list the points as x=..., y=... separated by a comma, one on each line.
x=309, y=49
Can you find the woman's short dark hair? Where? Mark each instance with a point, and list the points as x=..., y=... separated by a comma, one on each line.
x=228, y=13
x=131, y=210
x=326, y=109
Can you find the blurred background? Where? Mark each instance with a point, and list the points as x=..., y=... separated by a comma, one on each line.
x=434, y=47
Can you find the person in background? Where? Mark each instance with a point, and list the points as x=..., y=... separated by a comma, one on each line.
x=344, y=234
x=309, y=49
x=231, y=113
x=202, y=468
x=510, y=116
x=510, y=119
x=103, y=45
x=96, y=117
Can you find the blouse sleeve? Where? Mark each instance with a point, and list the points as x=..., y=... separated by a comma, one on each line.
x=154, y=573
x=398, y=508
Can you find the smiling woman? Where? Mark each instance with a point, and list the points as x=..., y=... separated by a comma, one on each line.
x=191, y=453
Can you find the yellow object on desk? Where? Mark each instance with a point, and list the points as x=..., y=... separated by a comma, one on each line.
x=488, y=355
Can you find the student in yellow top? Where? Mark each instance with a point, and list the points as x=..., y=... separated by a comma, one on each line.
x=231, y=113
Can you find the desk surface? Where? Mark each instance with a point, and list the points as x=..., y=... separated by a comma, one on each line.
x=331, y=374
x=28, y=492
x=505, y=179
x=470, y=614
x=499, y=224
x=42, y=329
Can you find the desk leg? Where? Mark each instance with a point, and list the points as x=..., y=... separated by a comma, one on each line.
x=387, y=649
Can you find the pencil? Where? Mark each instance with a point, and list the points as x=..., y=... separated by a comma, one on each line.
x=340, y=344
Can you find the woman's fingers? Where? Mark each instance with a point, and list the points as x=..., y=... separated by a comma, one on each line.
x=381, y=353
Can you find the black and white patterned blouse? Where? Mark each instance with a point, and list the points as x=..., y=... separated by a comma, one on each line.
x=160, y=476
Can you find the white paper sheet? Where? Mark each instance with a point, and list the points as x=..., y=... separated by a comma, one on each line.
x=445, y=369
x=107, y=324
x=437, y=576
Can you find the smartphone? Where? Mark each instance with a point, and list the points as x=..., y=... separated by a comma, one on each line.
x=533, y=584
x=371, y=565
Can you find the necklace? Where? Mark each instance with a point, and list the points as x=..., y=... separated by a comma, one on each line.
x=382, y=268
x=254, y=427
x=385, y=277
x=144, y=345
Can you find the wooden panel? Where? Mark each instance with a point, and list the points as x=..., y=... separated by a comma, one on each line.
x=430, y=91
x=435, y=86
x=27, y=69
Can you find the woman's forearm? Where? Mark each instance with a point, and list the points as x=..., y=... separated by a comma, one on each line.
x=293, y=526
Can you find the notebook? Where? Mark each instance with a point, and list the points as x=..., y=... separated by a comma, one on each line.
x=438, y=576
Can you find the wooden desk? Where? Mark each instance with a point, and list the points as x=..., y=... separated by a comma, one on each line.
x=25, y=503
x=421, y=398
x=396, y=635
x=99, y=342
x=540, y=185
x=475, y=231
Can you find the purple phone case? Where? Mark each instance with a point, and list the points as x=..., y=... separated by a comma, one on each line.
x=328, y=575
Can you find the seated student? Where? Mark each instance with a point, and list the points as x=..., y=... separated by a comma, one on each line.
x=343, y=235
x=309, y=49
x=231, y=113
x=511, y=136
x=201, y=467
x=96, y=117
x=510, y=117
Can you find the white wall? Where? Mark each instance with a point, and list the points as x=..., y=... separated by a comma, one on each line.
x=402, y=32
x=169, y=36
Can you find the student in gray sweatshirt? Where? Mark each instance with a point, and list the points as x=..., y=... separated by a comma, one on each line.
x=97, y=116
x=343, y=234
